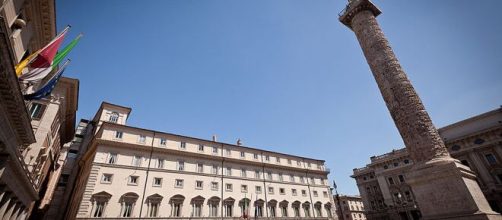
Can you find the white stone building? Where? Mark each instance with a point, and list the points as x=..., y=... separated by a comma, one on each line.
x=135, y=172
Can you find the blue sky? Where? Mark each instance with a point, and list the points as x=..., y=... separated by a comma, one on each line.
x=281, y=75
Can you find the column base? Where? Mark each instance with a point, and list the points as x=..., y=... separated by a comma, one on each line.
x=446, y=189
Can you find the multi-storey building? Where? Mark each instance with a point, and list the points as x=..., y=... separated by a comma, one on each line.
x=351, y=207
x=134, y=172
x=31, y=133
x=476, y=142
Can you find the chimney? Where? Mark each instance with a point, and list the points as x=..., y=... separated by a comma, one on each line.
x=214, y=138
x=239, y=142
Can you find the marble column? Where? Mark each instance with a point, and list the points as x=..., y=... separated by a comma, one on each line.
x=444, y=188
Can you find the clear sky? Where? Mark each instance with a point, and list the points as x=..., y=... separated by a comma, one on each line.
x=281, y=75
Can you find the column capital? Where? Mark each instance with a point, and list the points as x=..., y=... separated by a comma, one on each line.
x=354, y=7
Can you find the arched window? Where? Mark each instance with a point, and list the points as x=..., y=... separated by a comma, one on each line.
x=176, y=205
x=114, y=117
x=296, y=208
x=127, y=202
x=258, y=205
x=99, y=202
x=272, y=207
x=244, y=204
x=213, y=204
x=327, y=206
x=153, y=203
x=197, y=203
x=318, y=209
x=228, y=205
x=284, y=208
x=306, y=209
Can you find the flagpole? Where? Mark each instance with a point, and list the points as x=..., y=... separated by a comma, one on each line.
x=338, y=199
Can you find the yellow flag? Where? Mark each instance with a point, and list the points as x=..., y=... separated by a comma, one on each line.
x=21, y=65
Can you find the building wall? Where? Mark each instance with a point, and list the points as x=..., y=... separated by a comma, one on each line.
x=476, y=142
x=26, y=25
x=352, y=208
x=309, y=175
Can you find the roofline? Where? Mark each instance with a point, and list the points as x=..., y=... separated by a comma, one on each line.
x=217, y=142
x=473, y=118
x=103, y=103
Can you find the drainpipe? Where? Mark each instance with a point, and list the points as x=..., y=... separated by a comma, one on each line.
x=265, y=190
x=146, y=179
x=222, y=202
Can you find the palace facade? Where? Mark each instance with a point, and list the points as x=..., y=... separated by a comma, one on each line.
x=351, y=207
x=476, y=142
x=126, y=171
x=31, y=132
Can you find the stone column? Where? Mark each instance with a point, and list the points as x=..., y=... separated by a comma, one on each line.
x=444, y=188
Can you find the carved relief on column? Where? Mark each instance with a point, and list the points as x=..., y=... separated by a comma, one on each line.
x=412, y=120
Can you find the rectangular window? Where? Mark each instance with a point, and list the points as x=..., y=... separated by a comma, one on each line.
x=228, y=187
x=107, y=178
x=292, y=178
x=312, y=181
x=37, y=110
x=267, y=158
x=112, y=158
x=181, y=165
x=490, y=158
x=294, y=192
x=160, y=163
x=200, y=168
x=271, y=190
x=309, y=165
x=243, y=172
x=229, y=152
x=298, y=163
x=163, y=141
x=401, y=178
x=304, y=193
x=391, y=181
x=154, y=210
x=100, y=209
x=142, y=139
x=214, y=170
x=255, y=156
x=280, y=177
x=243, y=154
x=201, y=148
x=302, y=180
x=315, y=193
x=229, y=171
x=278, y=160
x=282, y=191
x=183, y=145
x=133, y=180
x=178, y=183
x=258, y=189
x=214, y=186
x=119, y=134
x=325, y=194
x=244, y=188
x=157, y=181
x=199, y=184
x=289, y=161
x=269, y=176
x=215, y=150
x=257, y=174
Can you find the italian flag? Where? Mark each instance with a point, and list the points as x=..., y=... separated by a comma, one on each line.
x=42, y=62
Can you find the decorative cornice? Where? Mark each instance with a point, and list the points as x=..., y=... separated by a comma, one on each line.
x=354, y=7
x=10, y=92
